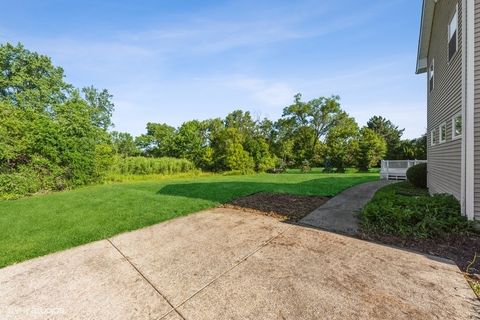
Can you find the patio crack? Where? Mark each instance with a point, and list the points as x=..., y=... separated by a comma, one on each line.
x=242, y=260
x=148, y=281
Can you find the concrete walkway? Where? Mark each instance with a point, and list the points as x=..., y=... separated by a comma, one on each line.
x=339, y=214
x=228, y=264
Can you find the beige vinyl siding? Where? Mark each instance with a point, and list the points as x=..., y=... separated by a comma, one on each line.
x=477, y=112
x=444, y=102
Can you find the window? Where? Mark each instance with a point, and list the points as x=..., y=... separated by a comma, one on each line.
x=457, y=126
x=452, y=35
x=442, y=137
x=431, y=76
x=432, y=137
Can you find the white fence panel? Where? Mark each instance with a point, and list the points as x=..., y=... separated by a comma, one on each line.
x=397, y=169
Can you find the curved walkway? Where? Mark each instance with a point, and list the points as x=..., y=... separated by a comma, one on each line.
x=339, y=214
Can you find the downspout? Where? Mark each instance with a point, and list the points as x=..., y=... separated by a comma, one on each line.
x=468, y=105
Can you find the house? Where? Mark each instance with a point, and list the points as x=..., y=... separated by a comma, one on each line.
x=449, y=54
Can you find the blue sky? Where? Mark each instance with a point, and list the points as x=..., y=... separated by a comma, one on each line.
x=172, y=61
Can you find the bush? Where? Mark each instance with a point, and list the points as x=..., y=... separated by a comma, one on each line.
x=144, y=166
x=403, y=210
x=305, y=168
x=16, y=185
x=417, y=175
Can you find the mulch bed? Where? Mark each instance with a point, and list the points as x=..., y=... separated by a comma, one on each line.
x=286, y=206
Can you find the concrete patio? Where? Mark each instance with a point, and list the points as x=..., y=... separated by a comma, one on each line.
x=228, y=264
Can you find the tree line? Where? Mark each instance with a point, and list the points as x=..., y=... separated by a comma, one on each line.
x=55, y=136
x=309, y=133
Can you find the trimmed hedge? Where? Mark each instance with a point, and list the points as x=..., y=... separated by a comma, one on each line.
x=417, y=175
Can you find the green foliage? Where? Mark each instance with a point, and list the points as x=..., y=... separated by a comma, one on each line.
x=306, y=166
x=476, y=287
x=404, y=210
x=316, y=130
x=390, y=133
x=417, y=175
x=51, y=135
x=415, y=148
x=29, y=80
x=147, y=166
x=371, y=149
x=307, y=123
x=55, y=135
x=259, y=150
x=238, y=159
x=340, y=143
x=19, y=183
x=123, y=144
x=158, y=140
x=102, y=106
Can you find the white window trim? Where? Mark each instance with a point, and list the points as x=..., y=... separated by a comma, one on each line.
x=440, y=133
x=432, y=137
x=449, y=35
x=458, y=115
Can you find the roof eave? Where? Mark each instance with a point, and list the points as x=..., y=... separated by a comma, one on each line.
x=425, y=32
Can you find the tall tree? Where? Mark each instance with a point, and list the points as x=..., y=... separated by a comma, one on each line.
x=190, y=141
x=390, y=132
x=101, y=106
x=371, y=148
x=49, y=138
x=340, y=143
x=30, y=80
x=158, y=141
x=310, y=122
x=415, y=148
x=124, y=144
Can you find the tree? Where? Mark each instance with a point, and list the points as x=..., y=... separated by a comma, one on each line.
x=370, y=150
x=49, y=137
x=231, y=151
x=30, y=80
x=259, y=149
x=242, y=121
x=415, y=148
x=190, y=142
x=158, y=141
x=390, y=133
x=310, y=122
x=101, y=104
x=340, y=143
x=124, y=144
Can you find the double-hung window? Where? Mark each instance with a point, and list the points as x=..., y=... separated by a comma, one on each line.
x=457, y=126
x=442, y=134
x=433, y=135
x=453, y=35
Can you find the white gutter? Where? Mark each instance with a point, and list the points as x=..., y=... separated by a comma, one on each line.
x=468, y=172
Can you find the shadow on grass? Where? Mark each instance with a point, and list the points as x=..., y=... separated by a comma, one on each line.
x=223, y=192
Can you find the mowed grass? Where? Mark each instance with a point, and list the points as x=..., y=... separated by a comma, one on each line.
x=39, y=225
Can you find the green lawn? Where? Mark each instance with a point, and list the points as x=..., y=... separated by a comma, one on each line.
x=35, y=226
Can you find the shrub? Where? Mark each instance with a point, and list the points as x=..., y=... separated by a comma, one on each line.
x=237, y=159
x=394, y=211
x=417, y=175
x=306, y=166
x=15, y=185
